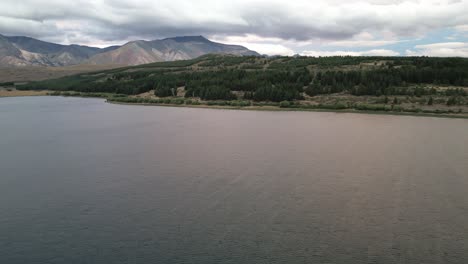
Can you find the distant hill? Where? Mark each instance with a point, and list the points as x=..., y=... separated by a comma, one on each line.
x=170, y=49
x=25, y=51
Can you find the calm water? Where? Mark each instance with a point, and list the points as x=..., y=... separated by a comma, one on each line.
x=82, y=181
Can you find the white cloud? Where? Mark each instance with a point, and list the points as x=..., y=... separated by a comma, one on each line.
x=268, y=46
x=447, y=49
x=268, y=49
x=380, y=52
x=363, y=43
x=450, y=45
x=463, y=28
x=374, y=52
x=365, y=39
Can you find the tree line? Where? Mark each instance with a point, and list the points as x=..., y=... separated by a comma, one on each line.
x=285, y=78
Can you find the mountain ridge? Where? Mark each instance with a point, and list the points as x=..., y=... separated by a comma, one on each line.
x=26, y=51
x=168, y=49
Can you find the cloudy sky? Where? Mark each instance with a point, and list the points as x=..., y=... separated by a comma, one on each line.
x=287, y=27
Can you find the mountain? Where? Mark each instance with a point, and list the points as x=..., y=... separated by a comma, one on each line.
x=9, y=54
x=25, y=51
x=169, y=49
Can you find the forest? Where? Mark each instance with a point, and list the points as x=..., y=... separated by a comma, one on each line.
x=275, y=79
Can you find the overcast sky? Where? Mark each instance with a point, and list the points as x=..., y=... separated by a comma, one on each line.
x=319, y=27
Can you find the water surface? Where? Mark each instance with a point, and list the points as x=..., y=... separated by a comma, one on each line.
x=83, y=181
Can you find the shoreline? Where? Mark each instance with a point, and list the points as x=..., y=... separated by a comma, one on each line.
x=18, y=93
x=279, y=109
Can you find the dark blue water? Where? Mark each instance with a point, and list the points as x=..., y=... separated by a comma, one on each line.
x=83, y=181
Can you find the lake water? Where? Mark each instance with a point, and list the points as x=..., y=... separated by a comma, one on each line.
x=83, y=181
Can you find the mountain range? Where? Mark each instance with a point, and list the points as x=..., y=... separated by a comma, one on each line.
x=26, y=51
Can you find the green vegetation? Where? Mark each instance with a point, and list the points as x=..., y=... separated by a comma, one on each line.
x=7, y=84
x=286, y=82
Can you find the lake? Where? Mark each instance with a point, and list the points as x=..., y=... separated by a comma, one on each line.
x=84, y=181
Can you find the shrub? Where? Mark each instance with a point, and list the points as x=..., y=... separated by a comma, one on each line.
x=413, y=110
x=397, y=108
x=431, y=101
x=285, y=104
x=368, y=107
x=452, y=101
x=244, y=103
x=337, y=106
x=177, y=101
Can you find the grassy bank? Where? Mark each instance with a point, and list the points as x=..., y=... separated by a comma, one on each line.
x=273, y=108
x=289, y=106
x=357, y=107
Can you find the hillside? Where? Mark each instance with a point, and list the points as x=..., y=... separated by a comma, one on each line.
x=25, y=51
x=39, y=73
x=391, y=83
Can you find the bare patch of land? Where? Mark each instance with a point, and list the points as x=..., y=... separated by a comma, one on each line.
x=11, y=92
x=38, y=73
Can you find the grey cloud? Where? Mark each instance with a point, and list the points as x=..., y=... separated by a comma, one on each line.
x=120, y=20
